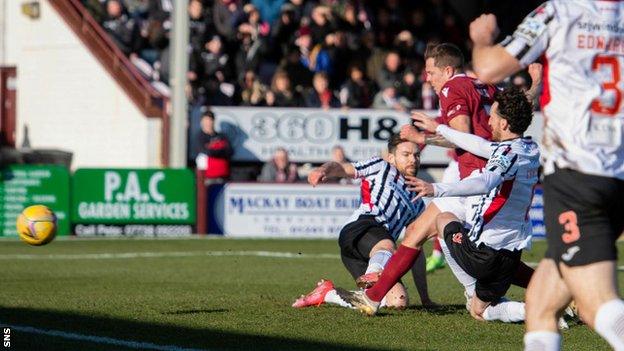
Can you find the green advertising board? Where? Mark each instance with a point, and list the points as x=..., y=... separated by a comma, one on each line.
x=25, y=185
x=133, y=196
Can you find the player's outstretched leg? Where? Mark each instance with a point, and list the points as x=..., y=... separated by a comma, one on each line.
x=367, y=280
x=505, y=311
x=464, y=278
x=323, y=293
x=523, y=275
x=379, y=255
x=599, y=307
x=401, y=262
x=420, y=280
x=547, y=295
x=359, y=301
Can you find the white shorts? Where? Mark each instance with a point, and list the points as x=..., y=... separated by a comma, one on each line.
x=455, y=205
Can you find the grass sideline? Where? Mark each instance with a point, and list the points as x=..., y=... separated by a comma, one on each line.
x=226, y=302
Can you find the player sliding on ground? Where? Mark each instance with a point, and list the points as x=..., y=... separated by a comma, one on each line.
x=464, y=105
x=367, y=240
x=489, y=246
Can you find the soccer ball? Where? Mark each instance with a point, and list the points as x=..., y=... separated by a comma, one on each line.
x=36, y=225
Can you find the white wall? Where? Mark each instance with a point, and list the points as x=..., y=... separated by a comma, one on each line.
x=2, y=30
x=68, y=100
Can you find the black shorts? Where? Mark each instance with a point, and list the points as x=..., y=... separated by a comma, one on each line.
x=584, y=216
x=493, y=269
x=356, y=241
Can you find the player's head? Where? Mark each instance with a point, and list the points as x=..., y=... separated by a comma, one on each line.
x=511, y=114
x=404, y=155
x=442, y=61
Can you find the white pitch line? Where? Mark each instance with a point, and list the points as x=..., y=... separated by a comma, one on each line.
x=97, y=339
x=131, y=255
x=103, y=256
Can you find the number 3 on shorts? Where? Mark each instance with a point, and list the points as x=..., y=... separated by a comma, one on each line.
x=571, y=230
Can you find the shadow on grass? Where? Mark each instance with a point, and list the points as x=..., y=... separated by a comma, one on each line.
x=440, y=310
x=196, y=311
x=160, y=334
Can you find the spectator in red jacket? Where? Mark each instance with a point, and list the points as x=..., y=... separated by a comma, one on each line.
x=215, y=149
x=321, y=95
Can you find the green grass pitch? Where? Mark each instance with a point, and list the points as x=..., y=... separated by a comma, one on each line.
x=172, y=293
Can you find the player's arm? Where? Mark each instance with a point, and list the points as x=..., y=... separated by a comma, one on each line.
x=535, y=71
x=438, y=140
x=454, y=107
x=408, y=132
x=493, y=63
x=460, y=123
x=474, y=144
x=331, y=170
x=500, y=166
x=482, y=184
x=469, y=142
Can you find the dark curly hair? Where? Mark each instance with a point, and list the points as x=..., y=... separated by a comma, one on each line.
x=515, y=108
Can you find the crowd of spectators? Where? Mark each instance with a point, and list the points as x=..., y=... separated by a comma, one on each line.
x=287, y=53
x=290, y=53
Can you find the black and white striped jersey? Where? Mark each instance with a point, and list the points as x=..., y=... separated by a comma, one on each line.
x=500, y=219
x=384, y=195
x=581, y=45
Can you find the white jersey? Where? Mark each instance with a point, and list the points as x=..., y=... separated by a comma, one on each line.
x=500, y=219
x=451, y=172
x=452, y=204
x=582, y=47
x=385, y=196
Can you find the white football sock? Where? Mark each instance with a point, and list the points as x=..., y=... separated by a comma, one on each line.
x=542, y=341
x=378, y=261
x=505, y=311
x=464, y=278
x=333, y=298
x=609, y=323
x=383, y=302
x=436, y=253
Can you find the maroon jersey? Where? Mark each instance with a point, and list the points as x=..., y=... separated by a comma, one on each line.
x=463, y=95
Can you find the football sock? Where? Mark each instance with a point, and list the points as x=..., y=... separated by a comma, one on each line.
x=542, y=341
x=333, y=298
x=609, y=323
x=419, y=273
x=378, y=261
x=505, y=311
x=383, y=302
x=523, y=275
x=437, y=250
x=401, y=262
x=464, y=278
